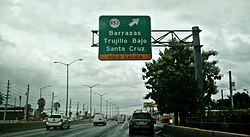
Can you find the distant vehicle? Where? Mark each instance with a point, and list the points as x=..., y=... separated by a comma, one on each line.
x=99, y=119
x=57, y=120
x=141, y=121
x=166, y=119
x=121, y=118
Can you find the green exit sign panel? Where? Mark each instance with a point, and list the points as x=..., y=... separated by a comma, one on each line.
x=125, y=38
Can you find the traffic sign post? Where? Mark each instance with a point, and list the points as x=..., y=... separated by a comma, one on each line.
x=125, y=38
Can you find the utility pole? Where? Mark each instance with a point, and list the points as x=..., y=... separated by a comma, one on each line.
x=20, y=101
x=70, y=107
x=83, y=108
x=110, y=107
x=27, y=101
x=118, y=110
x=222, y=96
x=15, y=107
x=198, y=68
x=231, y=89
x=6, y=103
x=87, y=110
x=52, y=103
x=77, y=109
x=107, y=108
x=113, y=113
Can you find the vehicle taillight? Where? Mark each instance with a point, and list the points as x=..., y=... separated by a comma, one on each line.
x=130, y=121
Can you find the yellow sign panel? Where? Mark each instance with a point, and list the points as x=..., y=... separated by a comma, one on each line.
x=150, y=104
x=154, y=104
x=125, y=56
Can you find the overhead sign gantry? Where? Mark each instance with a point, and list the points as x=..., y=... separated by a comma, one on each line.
x=125, y=38
x=129, y=38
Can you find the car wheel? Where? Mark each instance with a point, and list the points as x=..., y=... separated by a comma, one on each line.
x=68, y=126
x=94, y=124
x=47, y=127
x=131, y=132
x=152, y=132
x=62, y=126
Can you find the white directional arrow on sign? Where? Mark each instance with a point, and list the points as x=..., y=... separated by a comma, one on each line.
x=134, y=22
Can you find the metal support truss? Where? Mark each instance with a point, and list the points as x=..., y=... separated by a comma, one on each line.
x=159, y=38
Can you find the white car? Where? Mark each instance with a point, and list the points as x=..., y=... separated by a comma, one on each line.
x=57, y=120
x=121, y=119
x=99, y=119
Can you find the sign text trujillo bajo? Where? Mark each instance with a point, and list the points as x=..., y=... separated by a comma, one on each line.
x=125, y=38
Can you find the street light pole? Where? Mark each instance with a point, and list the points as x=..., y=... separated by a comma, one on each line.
x=101, y=100
x=67, y=92
x=90, y=96
x=110, y=107
x=107, y=106
x=43, y=88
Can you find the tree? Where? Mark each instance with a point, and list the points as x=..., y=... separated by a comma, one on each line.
x=41, y=103
x=241, y=100
x=172, y=82
x=57, y=105
x=77, y=114
x=28, y=110
x=1, y=98
x=70, y=114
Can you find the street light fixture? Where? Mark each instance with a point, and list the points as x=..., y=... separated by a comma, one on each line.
x=67, y=94
x=42, y=89
x=101, y=100
x=90, y=96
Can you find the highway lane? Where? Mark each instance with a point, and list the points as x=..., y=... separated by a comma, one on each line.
x=112, y=129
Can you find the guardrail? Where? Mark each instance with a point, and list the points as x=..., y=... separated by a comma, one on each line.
x=242, y=128
x=180, y=131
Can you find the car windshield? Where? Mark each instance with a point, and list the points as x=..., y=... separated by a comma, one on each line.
x=55, y=116
x=141, y=116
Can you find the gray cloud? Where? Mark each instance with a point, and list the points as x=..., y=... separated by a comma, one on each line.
x=34, y=34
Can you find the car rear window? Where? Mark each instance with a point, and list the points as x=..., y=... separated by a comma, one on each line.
x=141, y=116
x=55, y=116
x=99, y=116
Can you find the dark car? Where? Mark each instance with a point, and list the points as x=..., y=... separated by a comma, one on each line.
x=141, y=121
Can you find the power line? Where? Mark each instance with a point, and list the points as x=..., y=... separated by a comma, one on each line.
x=18, y=88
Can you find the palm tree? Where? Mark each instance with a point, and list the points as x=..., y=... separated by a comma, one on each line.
x=57, y=106
x=1, y=98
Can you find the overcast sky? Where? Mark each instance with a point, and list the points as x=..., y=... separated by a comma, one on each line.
x=35, y=33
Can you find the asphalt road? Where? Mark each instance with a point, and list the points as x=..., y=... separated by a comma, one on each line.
x=112, y=129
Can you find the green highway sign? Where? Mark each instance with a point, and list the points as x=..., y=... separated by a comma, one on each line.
x=124, y=38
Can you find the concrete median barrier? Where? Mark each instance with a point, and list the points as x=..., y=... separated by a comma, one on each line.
x=12, y=127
